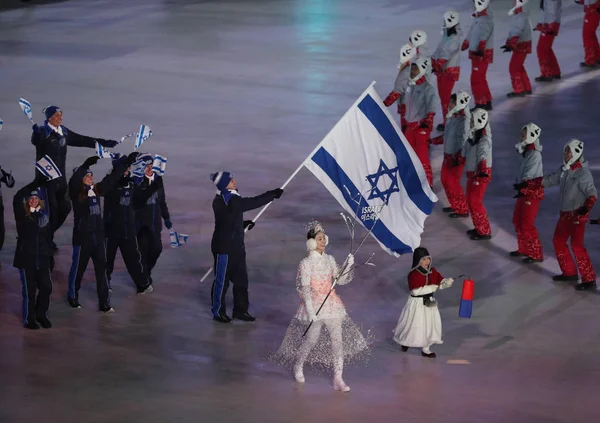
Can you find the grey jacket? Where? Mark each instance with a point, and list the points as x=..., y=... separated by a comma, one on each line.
x=449, y=49
x=531, y=166
x=479, y=152
x=482, y=29
x=420, y=100
x=575, y=186
x=552, y=11
x=457, y=131
x=402, y=82
x=520, y=27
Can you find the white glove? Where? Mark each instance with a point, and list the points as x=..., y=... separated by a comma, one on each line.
x=349, y=261
x=446, y=283
x=313, y=317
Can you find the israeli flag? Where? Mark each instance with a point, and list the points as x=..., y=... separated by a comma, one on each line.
x=47, y=168
x=102, y=152
x=177, y=239
x=159, y=165
x=1, y=124
x=143, y=135
x=372, y=171
x=26, y=107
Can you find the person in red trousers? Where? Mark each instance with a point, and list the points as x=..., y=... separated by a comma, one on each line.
x=407, y=53
x=577, y=198
x=456, y=133
x=591, y=19
x=480, y=43
x=519, y=42
x=418, y=111
x=479, y=173
x=548, y=26
x=446, y=61
x=529, y=194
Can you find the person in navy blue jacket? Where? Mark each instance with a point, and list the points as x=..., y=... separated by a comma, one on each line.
x=88, y=229
x=52, y=140
x=120, y=230
x=7, y=179
x=227, y=245
x=33, y=254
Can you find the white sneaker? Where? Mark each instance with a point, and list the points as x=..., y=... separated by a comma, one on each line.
x=110, y=310
x=148, y=290
x=299, y=373
x=339, y=385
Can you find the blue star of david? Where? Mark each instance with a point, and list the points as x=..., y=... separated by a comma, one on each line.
x=374, y=181
x=48, y=167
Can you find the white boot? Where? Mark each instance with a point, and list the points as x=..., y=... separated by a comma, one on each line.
x=339, y=384
x=299, y=372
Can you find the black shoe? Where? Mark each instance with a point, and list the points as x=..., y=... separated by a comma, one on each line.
x=471, y=232
x=565, y=278
x=586, y=286
x=513, y=95
x=528, y=92
x=222, y=318
x=244, y=317
x=441, y=127
x=515, y=254
x=458, y=215
x=488, y=106
x=545, y=78
x=428, y=355
x=32, y=325
x=587, y=65
x=480, y=237
x=557, y=76
x=404, y=349
x=73, y=303
x=448, y=210
x=529, y=260
x=45, y=323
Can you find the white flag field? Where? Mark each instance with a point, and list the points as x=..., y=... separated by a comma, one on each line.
x=368, y=165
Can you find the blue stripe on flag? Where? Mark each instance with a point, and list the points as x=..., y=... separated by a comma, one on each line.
x=407, y=172
x=337, y=175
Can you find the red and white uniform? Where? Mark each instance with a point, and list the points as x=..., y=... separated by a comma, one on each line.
x=446, y=65
x=479, y=175
x=480, y=43
x=591, y=19
x=531, y=192
x=548, y=26
x=417, y=113
x=577, y=197
x=519, y=41
x=407, y=53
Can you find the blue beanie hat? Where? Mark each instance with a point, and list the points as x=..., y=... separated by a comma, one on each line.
x=34, y=193
x=50, y=111
x=221, y=179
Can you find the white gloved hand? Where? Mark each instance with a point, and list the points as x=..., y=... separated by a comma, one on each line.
x=349, y=261
x=446, y=282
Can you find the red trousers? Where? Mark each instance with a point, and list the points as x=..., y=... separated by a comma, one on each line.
x=445, y=83
x=451, y=175
x=591, y=20
x=565, y=228
x=475, y=191
x=479, y=85
x=518, y=74
x=546, y=57
x=418, y=139
x=528, y=240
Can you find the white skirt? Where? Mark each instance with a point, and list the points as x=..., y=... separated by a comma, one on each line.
x=419, y=326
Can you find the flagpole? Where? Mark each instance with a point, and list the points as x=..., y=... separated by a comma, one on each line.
x=285, y=184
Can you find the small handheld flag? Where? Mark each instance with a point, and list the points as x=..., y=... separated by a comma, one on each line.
x=26, y=107
x=177, y=239
x=102, y=152
x=466, y=299
x=1, y=124
x=47, y=168
x=143, y=135
x=159, y=165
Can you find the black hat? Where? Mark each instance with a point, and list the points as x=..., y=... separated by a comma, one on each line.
x=419, y=253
